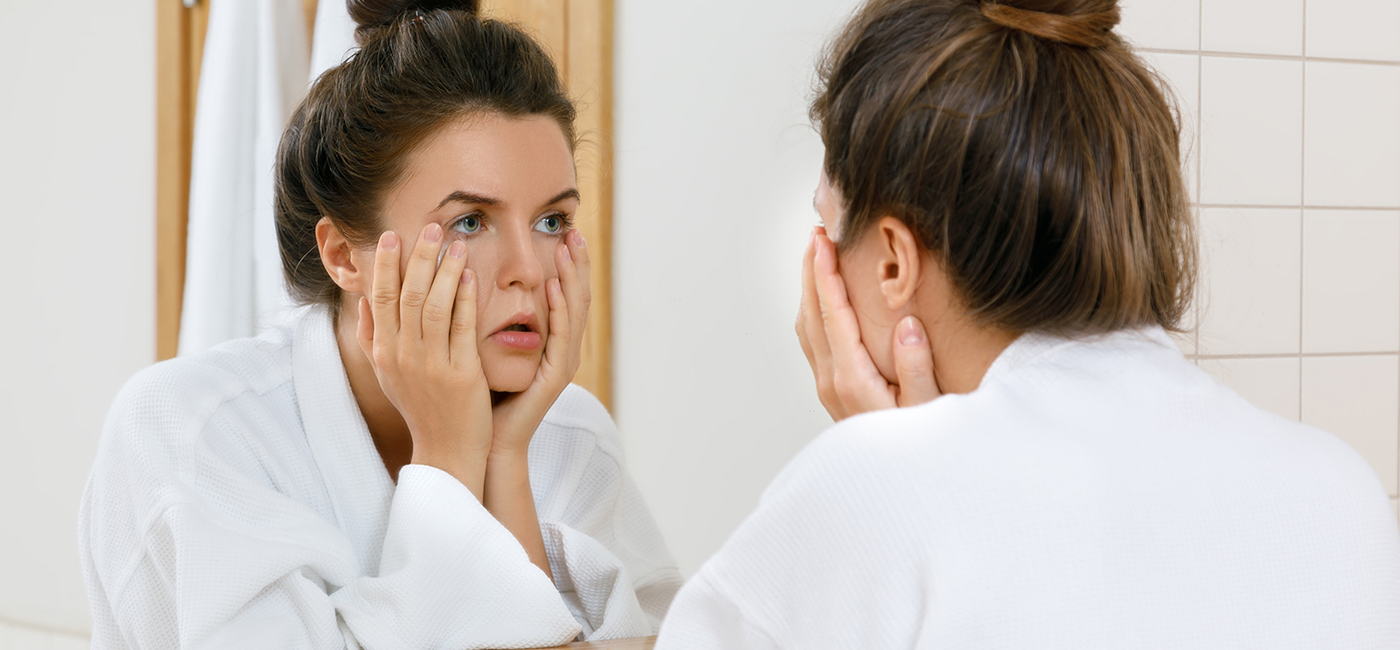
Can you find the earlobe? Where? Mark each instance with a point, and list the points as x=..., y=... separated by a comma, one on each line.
x=900, y=262
x=336, y=256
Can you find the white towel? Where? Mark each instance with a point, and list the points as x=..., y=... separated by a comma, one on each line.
x=254, y=74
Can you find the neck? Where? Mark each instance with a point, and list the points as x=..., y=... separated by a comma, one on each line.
x=962, y=349
x=386, y=426
x=961, y=360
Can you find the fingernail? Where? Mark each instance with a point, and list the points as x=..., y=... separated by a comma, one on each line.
x=467, y=276
x=578, y=239
x=433, y=233
x=388, y=241
x=457, y=249
x=568, y=257
x=909, y=331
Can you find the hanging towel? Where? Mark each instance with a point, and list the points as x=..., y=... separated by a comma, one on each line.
x=254, y=74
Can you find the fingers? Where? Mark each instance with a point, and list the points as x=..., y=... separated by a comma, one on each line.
x=442, y=298
x=462, y=347
x=811, y=334
x=574, y=266
x=385, y=292
x=558, y=349
x=581, y=263
x=568, y=298
x=913, y=363
x=422, y=265
x=809, y=327
x=848, y=356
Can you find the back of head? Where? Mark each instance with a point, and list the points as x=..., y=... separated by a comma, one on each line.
x=421, y=64
x=1027, y=148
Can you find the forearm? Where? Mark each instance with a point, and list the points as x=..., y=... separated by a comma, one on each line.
x=509, y=499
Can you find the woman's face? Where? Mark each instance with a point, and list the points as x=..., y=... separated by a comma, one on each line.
x=858, y=266
x=506, y=187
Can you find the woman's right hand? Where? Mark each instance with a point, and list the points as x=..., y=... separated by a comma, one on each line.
x=420, y=336
x=848, y=382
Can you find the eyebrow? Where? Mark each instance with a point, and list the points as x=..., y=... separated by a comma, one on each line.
x=461, y=196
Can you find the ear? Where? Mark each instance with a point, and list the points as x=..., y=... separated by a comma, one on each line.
x=898, y=255
x=337, y=256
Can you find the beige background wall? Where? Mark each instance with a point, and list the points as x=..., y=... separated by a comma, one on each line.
x=1297, y=165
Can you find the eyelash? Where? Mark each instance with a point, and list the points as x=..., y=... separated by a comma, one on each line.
x=565, y=223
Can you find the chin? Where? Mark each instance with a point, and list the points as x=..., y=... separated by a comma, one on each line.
x=510, y=375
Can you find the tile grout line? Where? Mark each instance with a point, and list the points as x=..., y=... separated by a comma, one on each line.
x=1291, y=355
x=1263, y=206
x=1303, y=199
x=1199, y=314
x=1267, y=57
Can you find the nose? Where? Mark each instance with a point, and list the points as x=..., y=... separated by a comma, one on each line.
x=519, y=264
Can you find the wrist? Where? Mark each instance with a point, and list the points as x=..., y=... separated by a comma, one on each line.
x=508, y=456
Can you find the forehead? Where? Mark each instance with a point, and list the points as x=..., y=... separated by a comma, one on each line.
x=518, y=160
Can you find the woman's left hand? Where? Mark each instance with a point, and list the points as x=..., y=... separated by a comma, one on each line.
x=515, y=418
x=848, y=383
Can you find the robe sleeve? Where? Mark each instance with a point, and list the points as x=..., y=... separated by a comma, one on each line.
x=609, y=560
x=180, y=549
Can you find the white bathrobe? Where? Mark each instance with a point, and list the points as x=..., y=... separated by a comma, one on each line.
x=1102, y=493
x=238, y=501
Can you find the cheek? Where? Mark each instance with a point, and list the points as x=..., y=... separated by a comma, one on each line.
x=485, y=265
x=544, y=251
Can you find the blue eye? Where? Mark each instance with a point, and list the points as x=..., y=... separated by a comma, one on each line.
x=469, y=224
x=551, y=225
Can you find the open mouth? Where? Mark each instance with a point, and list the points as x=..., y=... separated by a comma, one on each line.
x=521, y=333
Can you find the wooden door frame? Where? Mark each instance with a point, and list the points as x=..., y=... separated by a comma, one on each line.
x=579, y=33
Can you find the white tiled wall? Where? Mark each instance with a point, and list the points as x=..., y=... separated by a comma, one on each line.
x=1292, y=124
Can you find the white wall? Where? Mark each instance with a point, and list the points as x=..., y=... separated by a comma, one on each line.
x=77, y=181
x=715, y=169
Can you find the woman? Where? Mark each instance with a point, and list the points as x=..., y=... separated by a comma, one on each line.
x=1002, y=191
x=404, y=464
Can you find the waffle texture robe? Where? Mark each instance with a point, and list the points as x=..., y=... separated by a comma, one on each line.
x=238, y=501
x=1093, y=493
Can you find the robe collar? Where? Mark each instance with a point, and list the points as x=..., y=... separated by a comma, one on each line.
x=359, y=486
x=1034, y=352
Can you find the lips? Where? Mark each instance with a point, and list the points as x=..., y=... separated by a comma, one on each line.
x=520, y=332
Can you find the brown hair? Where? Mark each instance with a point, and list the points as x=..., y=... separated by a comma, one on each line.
x=421, y=64
x=1025, y=146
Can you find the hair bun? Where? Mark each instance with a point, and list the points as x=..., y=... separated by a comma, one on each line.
x=1083, y=23
x=371, y=15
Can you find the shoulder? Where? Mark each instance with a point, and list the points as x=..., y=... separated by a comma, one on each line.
x=839, y=530
x=179, y=397
x=878, y=450
x=580, y=417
